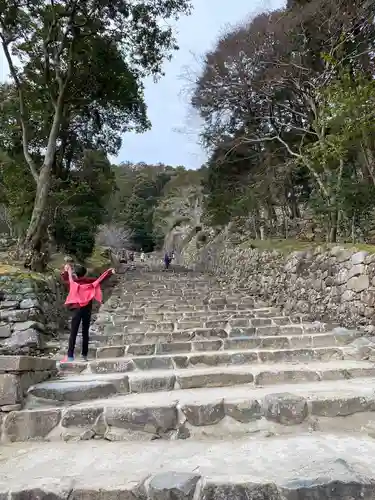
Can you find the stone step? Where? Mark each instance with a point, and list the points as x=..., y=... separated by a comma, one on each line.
x=252, y=342
x=317, y=466
x=185, y=308
x=169, y=316
x=206, y=413
x=147, y=325
x=119, y=339
x=82, y=387
x=223, y=358
x=188, y=378
x=235, y=328
x=232, y=319
x=194, y=298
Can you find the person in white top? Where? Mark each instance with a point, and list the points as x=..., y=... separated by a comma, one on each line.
x=142, y=256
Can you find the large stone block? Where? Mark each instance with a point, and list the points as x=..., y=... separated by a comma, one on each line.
x=156, y=420
x=5, y=331
x=9, y=304
x=359, y=284
x=224, y=379
x=75, y=390
x=28, y=425
x=10, y=389
x=226, y=490
x=286, y=409
x=204, y=414
x=26, y=363
x=112, y=366
x=288, y=376
x=28, y=379
x=173, y=486
x=14, y=315
x=55, y=492
x=30, y=304
x=210, y=359
x=108, y=493
x=342, y=407
x=80, y=417
x=141, y=349
x=23, y=341
x=27, y=325
x=139, y=384
x=153, y=363
x=244, y=411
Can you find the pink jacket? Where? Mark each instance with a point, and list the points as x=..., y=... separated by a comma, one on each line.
x=81, y=294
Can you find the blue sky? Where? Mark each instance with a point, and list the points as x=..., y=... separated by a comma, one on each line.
x=173, y=139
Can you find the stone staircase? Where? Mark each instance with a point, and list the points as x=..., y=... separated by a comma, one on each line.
x=202, y=388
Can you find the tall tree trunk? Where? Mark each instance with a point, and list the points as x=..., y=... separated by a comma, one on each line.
x=353, y=230
x=36, y=240
x=333, y=222
x=34, y=244
x=335, y=213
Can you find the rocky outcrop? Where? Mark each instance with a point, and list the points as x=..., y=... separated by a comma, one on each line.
x=337, y=284
x=179, y=211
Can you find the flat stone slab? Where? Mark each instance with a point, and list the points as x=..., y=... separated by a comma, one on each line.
x=73, y=389
x=321, y=466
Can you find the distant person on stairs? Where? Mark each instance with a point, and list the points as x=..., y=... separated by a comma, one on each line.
x=82, y=291
x=167, y=260
x=142, y=256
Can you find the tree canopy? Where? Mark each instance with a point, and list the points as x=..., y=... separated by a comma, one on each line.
x=287, y=107
x=77, y=72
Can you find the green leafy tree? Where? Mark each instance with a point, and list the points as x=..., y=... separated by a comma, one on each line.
x=78, y=68
x=343, y=157
x=81, y=204
x=140, y=209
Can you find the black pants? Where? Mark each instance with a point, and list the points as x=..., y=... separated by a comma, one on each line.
x=82, y=314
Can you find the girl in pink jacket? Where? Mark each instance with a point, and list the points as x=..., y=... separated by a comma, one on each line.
x=82, y=292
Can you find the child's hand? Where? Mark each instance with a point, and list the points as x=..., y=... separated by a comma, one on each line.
x=112, y=270
x=66, y=267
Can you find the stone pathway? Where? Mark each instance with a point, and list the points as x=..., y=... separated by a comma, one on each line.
x=236, y=383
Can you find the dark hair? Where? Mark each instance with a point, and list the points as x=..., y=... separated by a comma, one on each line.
x=80, y=271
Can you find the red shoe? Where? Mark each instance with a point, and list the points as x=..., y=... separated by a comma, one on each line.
x=67, y=359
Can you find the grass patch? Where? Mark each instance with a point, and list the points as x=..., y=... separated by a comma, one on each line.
x=95, y=264
x=99, y=261
x=289, y=246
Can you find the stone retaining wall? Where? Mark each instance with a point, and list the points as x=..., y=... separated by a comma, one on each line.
x=32, y=305
x=17, y=374
x=31, y=311
x=335, y=285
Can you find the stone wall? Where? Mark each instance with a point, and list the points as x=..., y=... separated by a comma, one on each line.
x=17, y=374
x=336, y=285
x=31, y=310
x=32, y=307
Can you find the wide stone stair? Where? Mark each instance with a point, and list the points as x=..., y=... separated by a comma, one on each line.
x=195, y=390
